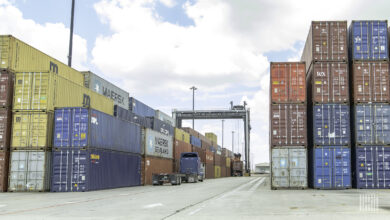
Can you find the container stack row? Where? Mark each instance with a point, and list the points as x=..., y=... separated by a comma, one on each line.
x=327, y=78
x=288, y=127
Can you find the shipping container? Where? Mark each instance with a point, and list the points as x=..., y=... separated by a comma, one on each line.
x=155, y=165
x=104, y=87
x=370, y=82
x=211, y=137
x=228, y=162
x=330, y=167
x=217, y=171
x=79, y=170
x=191, y=131
x=6, y=88
x=195, y=141
x=182, y=135
x=289, y=168
x=201, y=152
x=206, y=144
x=127, y=115
x=328, y=82
x=180, y=147
x=331, y=124
x=288, y=82
x=217, y=159
x=288, y=125
x=372, y=124
x=160, y=126
x=164, y=117
x=372, y=167
x=156, y=144
x=88, y=128
x=5, y=128
x=223, y=171
x=32, y=130
x=326, y=41
x=29, y=171
x=4, y=163
x=368, y=40
x=228, y=172
x=225, y=152
x=45, y=91
x=210, y=170
x=140, y=108
x=19, y=57
x=209, y=157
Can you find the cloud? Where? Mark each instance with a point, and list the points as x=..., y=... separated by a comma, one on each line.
x=51, y=38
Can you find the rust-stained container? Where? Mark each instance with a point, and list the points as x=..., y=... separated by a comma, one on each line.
x=191, y=131
x=217, y=160
x=210, y=171
x=6, y=88
x=328, y=82
x=201, y=152
x=4, y=164
x=228, y=171
x=209, y=157
x=223, y=161
x=206, y=144
x=180, y=147
x=5, y=128
x=326, y=41
x=370, y=82
x=154, y=165
x=288, y=125
x=288, y=82
x=223, y=171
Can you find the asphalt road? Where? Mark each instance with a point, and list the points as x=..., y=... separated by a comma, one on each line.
x=227, y=198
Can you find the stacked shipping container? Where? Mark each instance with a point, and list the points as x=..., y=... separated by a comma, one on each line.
x=369, y=58
x=288, y=131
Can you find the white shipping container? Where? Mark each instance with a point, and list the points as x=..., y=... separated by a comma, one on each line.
x=164, y=117
x=156, y=144
x=29, y=171
x=103, y=87
x=289, y=167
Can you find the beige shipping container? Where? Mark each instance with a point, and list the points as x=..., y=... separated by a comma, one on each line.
x=217, y=171
x=32, y=131
x=18, y=56
x=212, y=137
x=228, y=162
x=182, y=135
x=46, y=91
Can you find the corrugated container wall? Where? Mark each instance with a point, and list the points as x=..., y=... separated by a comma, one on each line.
x=164, y=117
x=4, y=163
x=288, y=82
x=330, y=167
x=209, y=157
x=289, y=167
x=326, y=41
x=372, y=124
x=88, y=128
x=29, y=171
x=94, y=169
x=217, y=171
x=368, y=40
x=103, y=87
x=46, y=91
x=288, y=125
x=210, y=171
x=140, y=108
x=20, y=57
x=370, y=82
x=156, y=144
x=201, y=152
x=161, y=126
x=195, y=141
x=328, y=83
x=127, y=115
x=155, y=165
x=182, y=135
x=178, y=148
x=5, y=128
x=191, y=132
x=206, y=144
x=6, y=88
x=212, y=137
x=372, y=167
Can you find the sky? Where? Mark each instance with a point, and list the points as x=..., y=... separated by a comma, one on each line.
x=158, y=49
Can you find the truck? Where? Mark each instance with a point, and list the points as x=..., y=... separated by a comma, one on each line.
x=190, y=171
x=237, y=165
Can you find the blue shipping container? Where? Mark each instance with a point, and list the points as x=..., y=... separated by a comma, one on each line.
x=331, y=124
x=127, y=115
x=160, y=126
x=372, y=124
x=369, y=40
x=93, y=169
x=372, y=167
x=140, y=108
x=82, y=128
x=331, y=167
x=195, y=141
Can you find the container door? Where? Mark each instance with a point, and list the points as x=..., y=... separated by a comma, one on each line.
x=341, y=167
x=378, y=40
x=320, y=40
x=79, y=171
x=280, y=171
x=338, y=40
x=40, y=91
x=80, y=127
x=383, y=167
x=279, y=73
x=297, y=83
x=38, y=171
x=339, y=83
x=365, y=163
x=364, y=124
x=60, y=180
x=382, y=124
x=279, y=124
x=298, y=167
x=22, y=91
x=361, y=41
x=62, y=128
x=323, y=168
x=18, y=171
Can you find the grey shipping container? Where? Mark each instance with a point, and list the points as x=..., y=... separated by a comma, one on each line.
x=140, y=108
x=103, y=87
x=164, y=117
x=289, y=168
x=326, y=41
x=29, y=171
x=328, y=82
x=156, y=144
x=127, y=115
x=160, y=126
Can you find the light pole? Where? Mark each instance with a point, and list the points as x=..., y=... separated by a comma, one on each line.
x=193, y=88
x=71, y=36
x=222, y=131
x=233, y=141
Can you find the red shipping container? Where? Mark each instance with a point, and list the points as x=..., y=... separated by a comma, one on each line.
x=180, y=147
x=6, y=88
x=5, y=129
x=217, y=160
x=201, y=152
x=288, y=82
x=210, y=171
x=209, y=157
x=4, y=157
x=154, y=165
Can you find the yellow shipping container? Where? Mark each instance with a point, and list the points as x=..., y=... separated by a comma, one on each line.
x=46, y=91
x=19, y=56
x=217, y=171
x=182, y=135
x=212, y=137
x=32, y=130
x=227, y=162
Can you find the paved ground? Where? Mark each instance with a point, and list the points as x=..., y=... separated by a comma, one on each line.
x=228, y=198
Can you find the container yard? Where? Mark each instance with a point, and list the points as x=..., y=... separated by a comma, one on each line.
x=93, y=144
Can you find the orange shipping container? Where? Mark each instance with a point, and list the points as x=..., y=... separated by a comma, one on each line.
x=180, y=147
x=151, y=165
x=201, y=152
x=209, y=157
x=288, y=82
